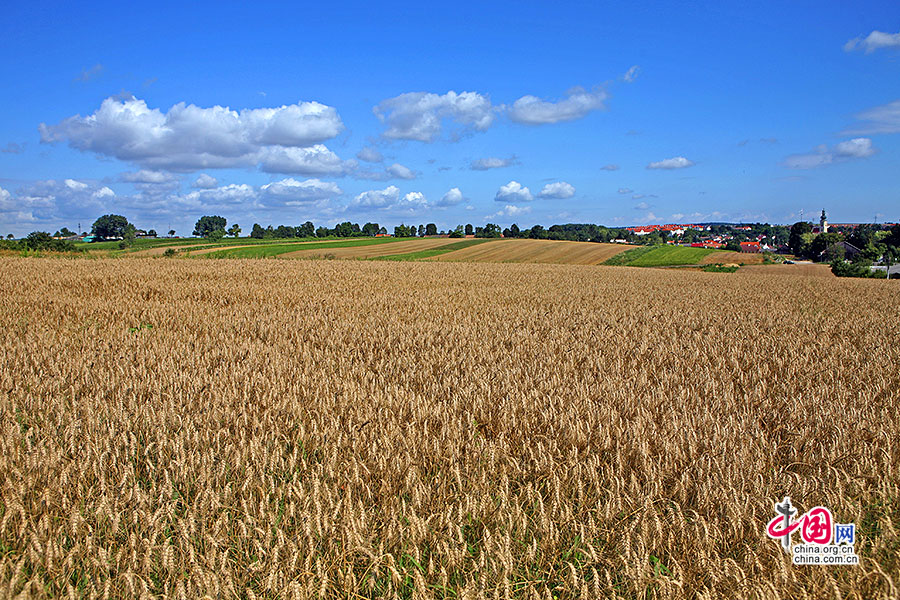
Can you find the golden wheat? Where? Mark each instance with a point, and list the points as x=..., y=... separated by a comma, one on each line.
x=301, y=429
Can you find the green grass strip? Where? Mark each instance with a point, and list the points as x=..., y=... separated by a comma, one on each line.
x=624, y=258
x=267, y=250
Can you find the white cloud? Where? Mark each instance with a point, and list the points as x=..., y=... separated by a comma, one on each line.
x=881, y=119
x=75, y=185
x=188, y=137
x=483, y=164
x=642, y=206
x=420, y=115
x=378, y=198
x=291, y=191
x=103, y=192
x=513, y=192
x=315, y=160
x=451, y=198
x=609, y=168
x=234, y=193
x=625, y=190
x=413, y=200
x=370, y=154
x=204, y=182
x=874, y=41
x=559, y=190
x=146, y=176
x=840, y=152
x=401, y=172
x=631, y=74
x=530, y=110
x=678, y=162
x=512, y=210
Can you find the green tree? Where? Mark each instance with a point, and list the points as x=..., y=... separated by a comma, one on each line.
x=514, y=231
x=431, y=229
x=457, y=232
x=307, y=229
x=822, y=242
x=234, y=230
x=151, y=233
x=322, y=232
x=171, y=233
x=469, y=230
x=796, y=242
x=206, y=225
x=421, y=231
x=257, y=232
x=733, y=246
x=370, y=229
x=111, y=226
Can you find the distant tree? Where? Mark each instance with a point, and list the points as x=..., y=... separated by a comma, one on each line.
x=206, y=225
x=38, y=240
x=383, y=231
x=171, y=232
x=111, y=226
x=370, y=229
x=151, y=233
x=234, y=230
x=283, y=231
x=469, y=229
x=491, y=230
x=733, y=245
x=344, y=229
x=307, y=230
x=65, y=232
x=322, y=232
x=216, y=235
x=9, y=236
x=431, y=229
x=795, y=240
x=457, y=232
x=822, y=242
x=537, y=232
x=893, y=238
x=421, y=231
x=514, y=231
x=257, y=232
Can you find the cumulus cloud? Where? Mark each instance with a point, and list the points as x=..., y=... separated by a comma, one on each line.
x=880, y=119
x=78, y=186
x=513, y=192
x=378, y=198
x=625, y=190
x=641, y=206
x=678, y=162
x=188, y=137
x=401, y=172
x=420, y=116
x=147, y=176
x=370, y=154
x=531, y=110
x=484, y=164
x=510, y=210
x=204, y=182
x=103, y=192
x=315, y=160
x=233, y=193
x=874, y=41
x=609, y=167
x=290, y=191
x=559, y=190
x=451, y=198
x=631, y=74
x=840, y=152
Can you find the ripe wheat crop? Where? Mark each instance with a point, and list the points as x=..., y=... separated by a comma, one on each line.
x=307, y=429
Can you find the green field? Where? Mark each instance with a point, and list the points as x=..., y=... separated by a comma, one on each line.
x=431, y=252
x=268, y=250
x=660, y=256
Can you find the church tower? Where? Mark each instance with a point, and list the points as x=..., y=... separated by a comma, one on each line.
x=823, y=223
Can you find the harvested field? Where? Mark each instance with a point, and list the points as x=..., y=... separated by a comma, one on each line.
x=401, y=247
x=535, y=251
x=356, y=429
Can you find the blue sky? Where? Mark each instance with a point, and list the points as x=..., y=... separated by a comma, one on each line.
x=617, y=114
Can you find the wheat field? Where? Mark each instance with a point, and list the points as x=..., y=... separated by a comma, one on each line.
x=535, y=251
x=341, y=429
